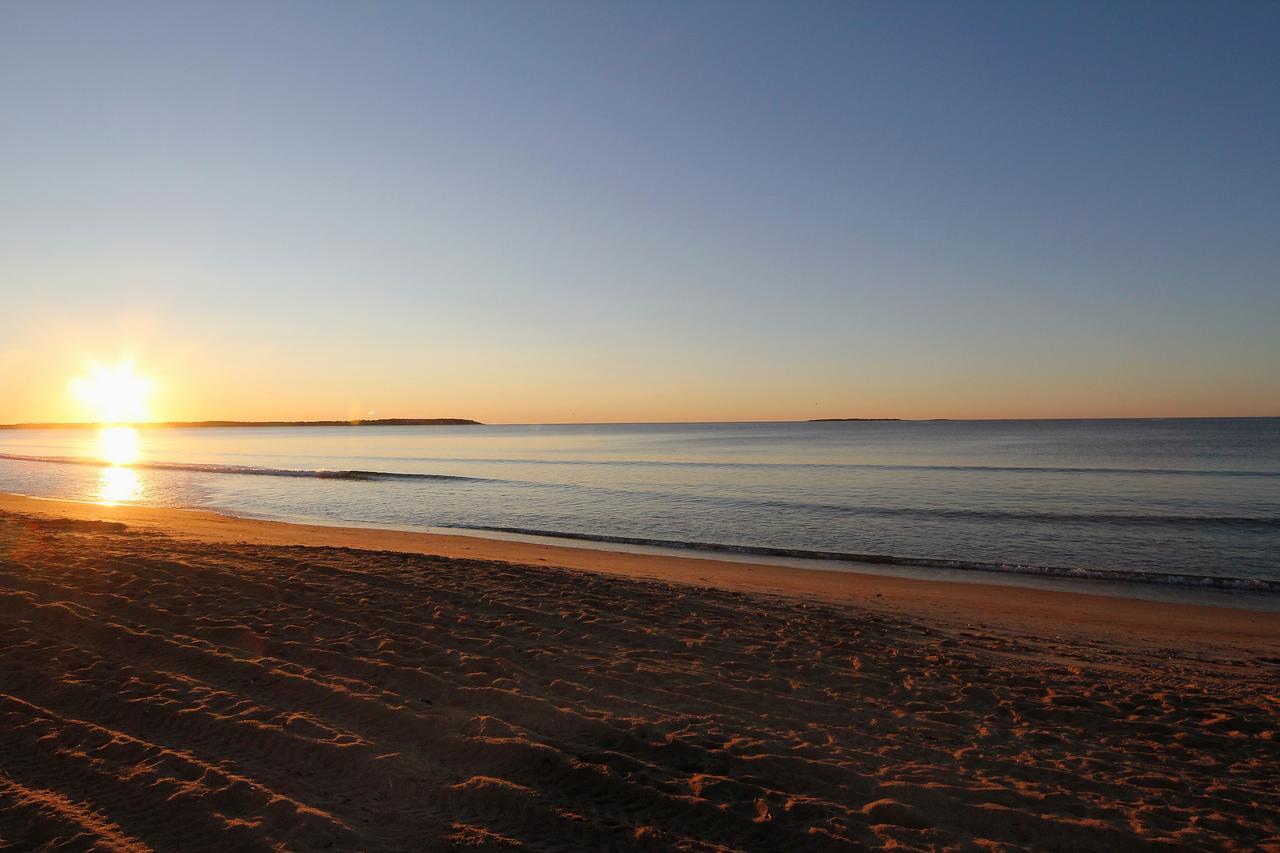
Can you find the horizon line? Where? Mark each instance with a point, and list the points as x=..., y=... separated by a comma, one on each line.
x=228, y=424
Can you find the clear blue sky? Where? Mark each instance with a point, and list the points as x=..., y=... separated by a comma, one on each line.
x=574, y=211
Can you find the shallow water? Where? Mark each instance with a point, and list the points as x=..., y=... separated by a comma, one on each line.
x=1162, y=497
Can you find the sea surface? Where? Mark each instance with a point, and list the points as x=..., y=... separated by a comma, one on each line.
x=1189, y=502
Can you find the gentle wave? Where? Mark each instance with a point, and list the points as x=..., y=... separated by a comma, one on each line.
x=1120, y=519
x=1072, y=572
x=854, y=466
x=317, y=474
x=655, y=463
x=1038, y=469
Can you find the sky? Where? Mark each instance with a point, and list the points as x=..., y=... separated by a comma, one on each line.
x=587, y=212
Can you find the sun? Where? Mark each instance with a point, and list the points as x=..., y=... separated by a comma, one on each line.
x=113, y=395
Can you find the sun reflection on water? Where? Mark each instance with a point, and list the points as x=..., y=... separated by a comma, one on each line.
x=119, y=446
x=118, y=485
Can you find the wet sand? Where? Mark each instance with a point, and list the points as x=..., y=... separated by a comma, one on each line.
x=181, y=681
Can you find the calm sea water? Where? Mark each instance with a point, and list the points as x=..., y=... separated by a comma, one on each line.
x=1163, y=497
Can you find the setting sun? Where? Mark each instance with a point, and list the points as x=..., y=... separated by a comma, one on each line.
x=113, y=395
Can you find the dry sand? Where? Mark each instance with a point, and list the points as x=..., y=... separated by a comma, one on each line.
x=184, y=681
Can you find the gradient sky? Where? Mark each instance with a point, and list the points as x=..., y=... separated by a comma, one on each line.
x=524, y=212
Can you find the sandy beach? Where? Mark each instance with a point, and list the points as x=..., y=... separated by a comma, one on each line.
x=176, y=680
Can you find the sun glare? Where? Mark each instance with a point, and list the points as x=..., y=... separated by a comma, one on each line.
x=113, y=395
x=119, y=485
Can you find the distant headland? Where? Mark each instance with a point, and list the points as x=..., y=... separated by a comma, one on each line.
x=846, y=420
x=213, y=424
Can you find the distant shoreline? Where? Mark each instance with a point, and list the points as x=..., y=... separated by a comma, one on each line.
x=215, y=424
x=468, y=422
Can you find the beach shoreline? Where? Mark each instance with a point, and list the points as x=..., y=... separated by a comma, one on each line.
x=971, y=600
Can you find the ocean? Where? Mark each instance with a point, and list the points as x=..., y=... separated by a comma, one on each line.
x=1191, y=502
